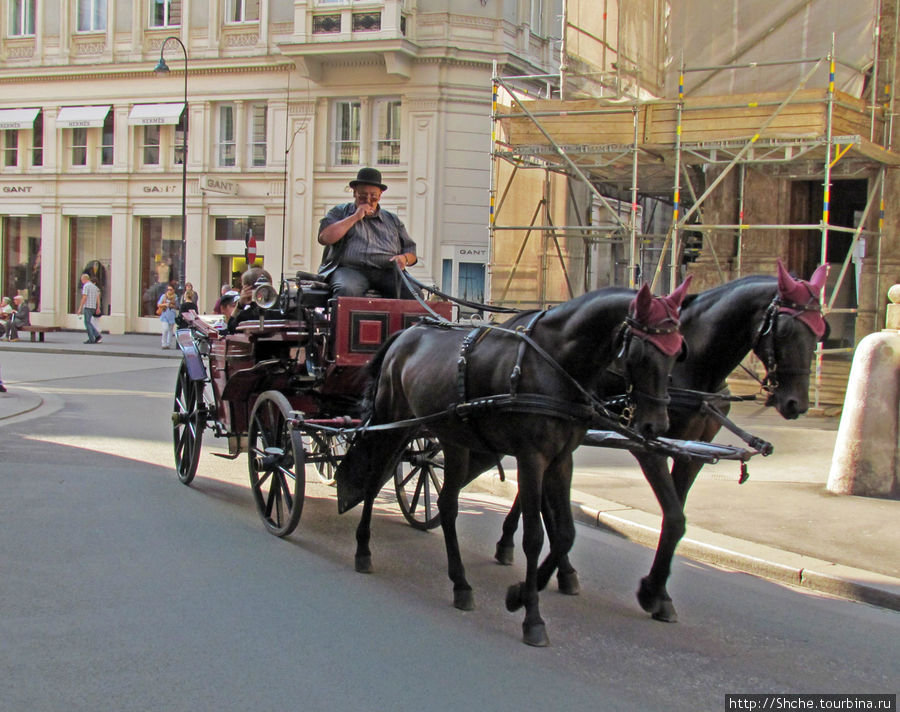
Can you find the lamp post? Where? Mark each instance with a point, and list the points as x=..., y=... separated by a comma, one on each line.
x=163, y=69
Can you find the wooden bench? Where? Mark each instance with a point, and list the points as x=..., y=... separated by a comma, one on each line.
x=38, y=331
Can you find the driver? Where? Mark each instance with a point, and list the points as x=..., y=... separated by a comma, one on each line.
x=363, y=242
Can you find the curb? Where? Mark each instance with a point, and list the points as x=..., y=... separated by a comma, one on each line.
x=724, y=551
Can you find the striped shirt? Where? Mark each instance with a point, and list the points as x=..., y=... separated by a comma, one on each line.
x=373, y=240
x=92, y=295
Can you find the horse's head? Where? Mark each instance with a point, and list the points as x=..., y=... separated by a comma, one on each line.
x=792, y=326
x=651, y=345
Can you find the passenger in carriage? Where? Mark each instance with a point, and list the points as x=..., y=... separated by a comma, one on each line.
x=245, y=308
x=227, y=303
x=363, y=242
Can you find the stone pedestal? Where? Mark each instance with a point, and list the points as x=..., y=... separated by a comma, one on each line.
x=865, y=460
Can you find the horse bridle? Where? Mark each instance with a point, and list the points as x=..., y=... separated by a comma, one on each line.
x=769, y=327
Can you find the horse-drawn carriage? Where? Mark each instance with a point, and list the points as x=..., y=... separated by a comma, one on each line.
x=446, y=400
x=286, y=387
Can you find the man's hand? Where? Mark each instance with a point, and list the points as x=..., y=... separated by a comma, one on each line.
x=364, y=211
x=404, y=260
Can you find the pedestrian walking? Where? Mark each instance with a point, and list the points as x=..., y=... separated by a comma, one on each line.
x=90, y=305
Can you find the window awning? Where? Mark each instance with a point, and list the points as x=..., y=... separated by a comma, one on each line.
x=17, y=118
x=76, y=117
x=144, y=114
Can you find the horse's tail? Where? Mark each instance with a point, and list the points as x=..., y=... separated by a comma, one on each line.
x=373, y=371
x=356, y=468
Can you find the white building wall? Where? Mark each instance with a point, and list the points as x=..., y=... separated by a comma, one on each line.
x=435, y=59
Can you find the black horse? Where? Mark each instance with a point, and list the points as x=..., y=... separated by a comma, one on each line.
x=780, y=320
x=526, y=390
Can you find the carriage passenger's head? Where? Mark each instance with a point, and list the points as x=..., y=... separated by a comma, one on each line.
x=229, y=303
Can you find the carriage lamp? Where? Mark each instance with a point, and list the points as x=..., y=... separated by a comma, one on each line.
x=162, y=69
x=264, y=295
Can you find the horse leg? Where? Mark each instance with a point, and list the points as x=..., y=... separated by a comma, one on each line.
x=652, y=594
x=363, y=558
x=556, y=509
x=531, y=469
x=456, y=460
x=504, y=552
x=383, y=451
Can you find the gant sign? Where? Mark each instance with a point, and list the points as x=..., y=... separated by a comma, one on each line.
x=211, y=184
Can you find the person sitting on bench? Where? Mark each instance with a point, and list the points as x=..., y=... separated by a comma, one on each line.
x=19, y=318
x=363, y=242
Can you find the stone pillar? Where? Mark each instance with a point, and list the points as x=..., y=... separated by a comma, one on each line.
x=865, y=460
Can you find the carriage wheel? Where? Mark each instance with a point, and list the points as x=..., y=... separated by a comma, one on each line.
x=418, y=480
x=275, y=457
x=189, y=416
x=325, y=453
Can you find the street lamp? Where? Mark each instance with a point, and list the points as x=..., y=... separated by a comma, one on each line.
x=163, y=69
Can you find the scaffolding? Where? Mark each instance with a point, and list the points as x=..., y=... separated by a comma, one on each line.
x=628, y=157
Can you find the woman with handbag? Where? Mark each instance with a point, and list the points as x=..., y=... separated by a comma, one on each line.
x=167, y=309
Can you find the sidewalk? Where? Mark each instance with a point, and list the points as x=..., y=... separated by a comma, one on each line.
x=781, y=524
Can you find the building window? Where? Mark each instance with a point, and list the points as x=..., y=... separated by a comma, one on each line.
x=258, y=134
x=242, y=11
x=241, y=228
x=11, y=147
x=79, y=147
x=226, y=143
x=90, y=250
x=366, y=21
x=326, y=24
x=21, y=18
x=37, y=140
x=346, y=142
x=165, y=13
x=151, y=145
x=536, y=20
x=180, y=134
x=160, y=259
x=366, y=132
x=91, y=15
x=386, y=132
x=107, y=140
x=21, y=237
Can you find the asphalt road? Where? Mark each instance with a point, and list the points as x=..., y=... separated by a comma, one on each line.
x=122, y=589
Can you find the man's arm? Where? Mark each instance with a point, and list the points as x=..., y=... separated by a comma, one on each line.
x=330, y=234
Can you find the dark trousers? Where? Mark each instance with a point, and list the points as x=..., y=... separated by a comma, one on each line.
x=355, y=281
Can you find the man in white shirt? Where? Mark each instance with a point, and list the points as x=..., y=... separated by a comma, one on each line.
x=90, y=305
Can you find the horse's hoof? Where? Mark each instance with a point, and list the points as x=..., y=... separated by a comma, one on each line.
x=514, y=598
x=505, y=554
x=364, y=563
x=464, y=600
x=535, y=635
x=665, y=612
x=659, y=606
x=646, y=597
x=568, y=583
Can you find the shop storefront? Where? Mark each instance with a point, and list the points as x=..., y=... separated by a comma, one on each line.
x=20, y=246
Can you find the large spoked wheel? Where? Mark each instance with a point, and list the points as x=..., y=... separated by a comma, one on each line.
x=418, y=480
x=188, y=420
x=275, y=458
x=325, y=453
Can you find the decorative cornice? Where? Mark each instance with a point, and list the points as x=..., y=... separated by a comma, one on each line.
x=69, y=73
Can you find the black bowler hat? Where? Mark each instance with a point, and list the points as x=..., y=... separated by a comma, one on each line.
x=370, y=176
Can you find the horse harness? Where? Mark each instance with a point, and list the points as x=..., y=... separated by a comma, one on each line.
x=769, y=327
